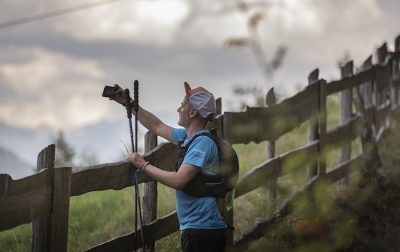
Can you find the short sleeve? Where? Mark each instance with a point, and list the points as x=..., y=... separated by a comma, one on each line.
x=202, y=153
x=178, y=134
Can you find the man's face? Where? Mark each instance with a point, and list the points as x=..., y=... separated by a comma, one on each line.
x=184, y=111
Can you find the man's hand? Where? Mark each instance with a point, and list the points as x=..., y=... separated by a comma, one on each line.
x=177, y=180
x=136, y=159
x=119, y=96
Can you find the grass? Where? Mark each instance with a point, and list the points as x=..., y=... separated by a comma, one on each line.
x=256, y=204
x=101, y=216
x=16, y=239
x=96, y=217
x=359, y=217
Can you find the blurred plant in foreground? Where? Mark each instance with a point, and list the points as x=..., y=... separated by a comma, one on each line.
x=254, y=15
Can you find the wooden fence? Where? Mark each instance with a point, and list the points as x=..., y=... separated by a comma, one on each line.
x=43, y=198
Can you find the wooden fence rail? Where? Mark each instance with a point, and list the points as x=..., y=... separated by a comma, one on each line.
x=44, y=197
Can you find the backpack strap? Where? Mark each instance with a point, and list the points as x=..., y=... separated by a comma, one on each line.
x=211, y=185
x=182, y=149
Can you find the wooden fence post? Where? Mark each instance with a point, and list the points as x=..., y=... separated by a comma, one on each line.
x=60, y=209
x=51, y=233
x=150, y=195
x=381, y=87
x=322, y=128
x=366, y=88
x=224, y=204
x=218, y=104
x=396, y=72
x=346, y=111
x=41, y=227
x=270, y=100
x=313, y=130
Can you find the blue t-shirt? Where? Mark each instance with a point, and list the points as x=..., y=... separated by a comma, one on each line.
x=198, y=212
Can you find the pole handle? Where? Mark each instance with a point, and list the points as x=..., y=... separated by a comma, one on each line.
x=128, y=105
x=136, y=95
x=136, y=108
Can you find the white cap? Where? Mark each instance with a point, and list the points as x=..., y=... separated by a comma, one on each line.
x=201, y=100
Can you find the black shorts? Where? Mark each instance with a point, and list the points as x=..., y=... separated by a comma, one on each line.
x=210, y=240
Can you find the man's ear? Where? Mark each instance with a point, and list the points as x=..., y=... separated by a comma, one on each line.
x=193, y=113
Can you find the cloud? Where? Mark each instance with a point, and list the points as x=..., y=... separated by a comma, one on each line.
x=357, y=27
x=142, y=22
x=52, y=71
x=50, y=89
x=132, y=40
x=291, y=16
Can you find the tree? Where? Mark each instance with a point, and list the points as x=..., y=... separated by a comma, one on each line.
x=65, y=153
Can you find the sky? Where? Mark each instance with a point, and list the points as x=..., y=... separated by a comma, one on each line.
x=52, y=71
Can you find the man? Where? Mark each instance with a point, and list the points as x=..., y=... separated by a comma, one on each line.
x=200, y=221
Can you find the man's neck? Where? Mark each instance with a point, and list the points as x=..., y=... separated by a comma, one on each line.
x=193, y=128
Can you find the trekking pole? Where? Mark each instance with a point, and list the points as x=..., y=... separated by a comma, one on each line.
x=110, y=92
x=129, y=107
x=129, y=114
x=136, y=109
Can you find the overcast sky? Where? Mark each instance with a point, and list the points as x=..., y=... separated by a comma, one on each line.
x=52, y=71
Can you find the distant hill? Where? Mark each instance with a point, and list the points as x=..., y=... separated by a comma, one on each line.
x=12, y=165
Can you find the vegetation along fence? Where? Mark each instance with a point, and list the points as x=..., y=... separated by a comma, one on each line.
x=43, y=198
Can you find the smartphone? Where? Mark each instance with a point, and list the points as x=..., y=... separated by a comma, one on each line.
x=109, y=91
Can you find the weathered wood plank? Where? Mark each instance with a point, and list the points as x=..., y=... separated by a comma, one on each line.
x=298, y=158
x=382, y=112
x=23, y=185
x=345, y=133
x=365, y=89
x=4, y=184
x=260, y=124
x=102, y=177
x=24, y=200
x=345, y=168
x=161, y=227
x=396, y=54
x=387, y=131
x=383, y=75
x=219, y=120
x=396, y=112
x=346, y=111
x=258, y=176
x=150, y=194
x=313, y=130
x=40, y=240
x=322, y=126
x=120, y=174
x=213, y=125
x=276, y=167
x=261, y=226
x=396, y=80
x=382, y=53
x=225, y=205
x=272, y=185
x=60, y=209
x=369, y=115
x=350, y=82
x=396, y=71
x=152, y=232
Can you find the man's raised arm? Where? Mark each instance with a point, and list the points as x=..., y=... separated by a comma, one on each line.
x=154, y=124
x=147, y=119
